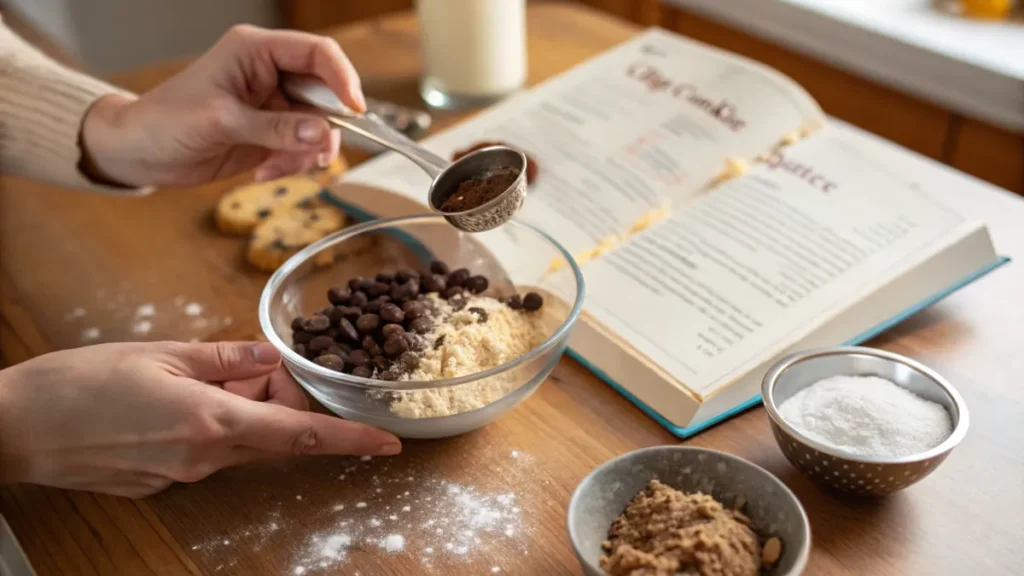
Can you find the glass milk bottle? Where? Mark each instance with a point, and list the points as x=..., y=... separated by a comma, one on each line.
x=474, y=51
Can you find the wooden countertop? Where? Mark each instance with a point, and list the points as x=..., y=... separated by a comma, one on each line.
x=71, y=261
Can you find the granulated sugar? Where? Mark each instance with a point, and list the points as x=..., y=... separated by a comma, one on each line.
x=867, y=416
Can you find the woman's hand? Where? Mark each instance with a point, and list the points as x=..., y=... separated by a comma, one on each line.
x=130, y=419
x=222, y=115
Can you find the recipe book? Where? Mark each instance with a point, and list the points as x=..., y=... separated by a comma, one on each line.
x=719, y=221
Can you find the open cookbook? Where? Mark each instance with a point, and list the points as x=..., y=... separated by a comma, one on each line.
x=718, y=220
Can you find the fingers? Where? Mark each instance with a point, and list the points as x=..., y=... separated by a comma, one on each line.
x=280, y=164
x=271, y=428
x=281, y=131
x=304, y=53
x=278, y=387
x=222, y=361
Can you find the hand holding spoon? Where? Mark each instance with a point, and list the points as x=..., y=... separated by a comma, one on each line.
x=447, y=176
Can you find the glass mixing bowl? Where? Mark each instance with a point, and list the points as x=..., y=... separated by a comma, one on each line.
x=516, y=258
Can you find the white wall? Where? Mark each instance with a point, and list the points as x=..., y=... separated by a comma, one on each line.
x=114, y=35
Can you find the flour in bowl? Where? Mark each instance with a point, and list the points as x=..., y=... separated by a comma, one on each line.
x=473, y=335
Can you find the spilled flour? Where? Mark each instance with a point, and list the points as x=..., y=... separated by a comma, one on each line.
x=357, y=515
x=433, y=520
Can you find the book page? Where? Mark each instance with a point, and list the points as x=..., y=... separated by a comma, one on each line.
x=646, y=123
x=740, y=273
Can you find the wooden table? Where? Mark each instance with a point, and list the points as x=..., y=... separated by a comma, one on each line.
x=63, y=251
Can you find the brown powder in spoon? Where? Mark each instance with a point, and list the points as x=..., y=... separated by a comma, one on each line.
x=478, y=191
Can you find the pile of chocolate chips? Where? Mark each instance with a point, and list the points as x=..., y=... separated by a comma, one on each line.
x=374, y=327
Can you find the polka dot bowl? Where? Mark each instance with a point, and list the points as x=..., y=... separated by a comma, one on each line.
x=833, y=468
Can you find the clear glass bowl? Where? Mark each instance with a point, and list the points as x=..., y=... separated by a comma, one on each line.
x=516, y=258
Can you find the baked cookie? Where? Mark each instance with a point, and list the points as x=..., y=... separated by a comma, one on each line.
x=243, y=208
x=284, y=233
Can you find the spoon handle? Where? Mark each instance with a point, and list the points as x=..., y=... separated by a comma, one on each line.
x=312, y=91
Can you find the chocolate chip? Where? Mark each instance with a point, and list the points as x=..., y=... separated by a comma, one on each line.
x=439, y=342
x=479, y=312
x=406, y=274
x=368, y=342
x=337, y=350
x=339, y=296
x=351, y=312
x=300, y=349
x=407, y=362
x=388, y=329
x=381, y=362
x=372, y=307
x=385, y=278
x=263, y=213
x=316, y=323
x=391, y=313
x=358, y=298
x=347, y=330
x=280, y=191
x=532, y=301
x=345, y=349
x=451, y=292
x=296, y=323
x=413, y=310
x=421, y=325
x=458, y=303
x=458, y=277
x=320, y=344
x=326, y=311
x=515, y=302
x=415, y=342
x=302, y=337
x=433, y=283
x=278, y=244
x=395, y=345
x=438, y=267
x=477, y=284
x=358, y=358
x=332, y=362
x=354, y=283
x=362, y=371
x=336, y=314
x=406, y=291
x=377, y=288
x=367, y=323
x=387, y=375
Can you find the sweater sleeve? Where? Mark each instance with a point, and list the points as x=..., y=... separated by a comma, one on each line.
x=42, y=106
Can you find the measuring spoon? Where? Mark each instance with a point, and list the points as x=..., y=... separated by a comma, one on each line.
x=446, y=176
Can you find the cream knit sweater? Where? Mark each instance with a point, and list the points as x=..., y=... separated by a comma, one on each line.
x=42, y=105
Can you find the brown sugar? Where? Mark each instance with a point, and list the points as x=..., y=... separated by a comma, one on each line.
x=478, y=191
x=665, y=532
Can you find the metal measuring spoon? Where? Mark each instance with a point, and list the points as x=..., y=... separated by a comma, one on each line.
x=446, y=176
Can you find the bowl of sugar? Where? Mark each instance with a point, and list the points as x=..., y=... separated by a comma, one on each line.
x=862, y=421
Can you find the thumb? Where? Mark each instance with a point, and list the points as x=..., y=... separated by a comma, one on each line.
x=281, y=131
x=223, y=361
x=284, y=430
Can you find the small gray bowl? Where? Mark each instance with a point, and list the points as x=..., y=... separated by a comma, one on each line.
x=605, y=493
x=838, y=470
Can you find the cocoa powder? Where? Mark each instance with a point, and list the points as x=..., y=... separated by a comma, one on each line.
x=478, y=191
x=531, y=165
